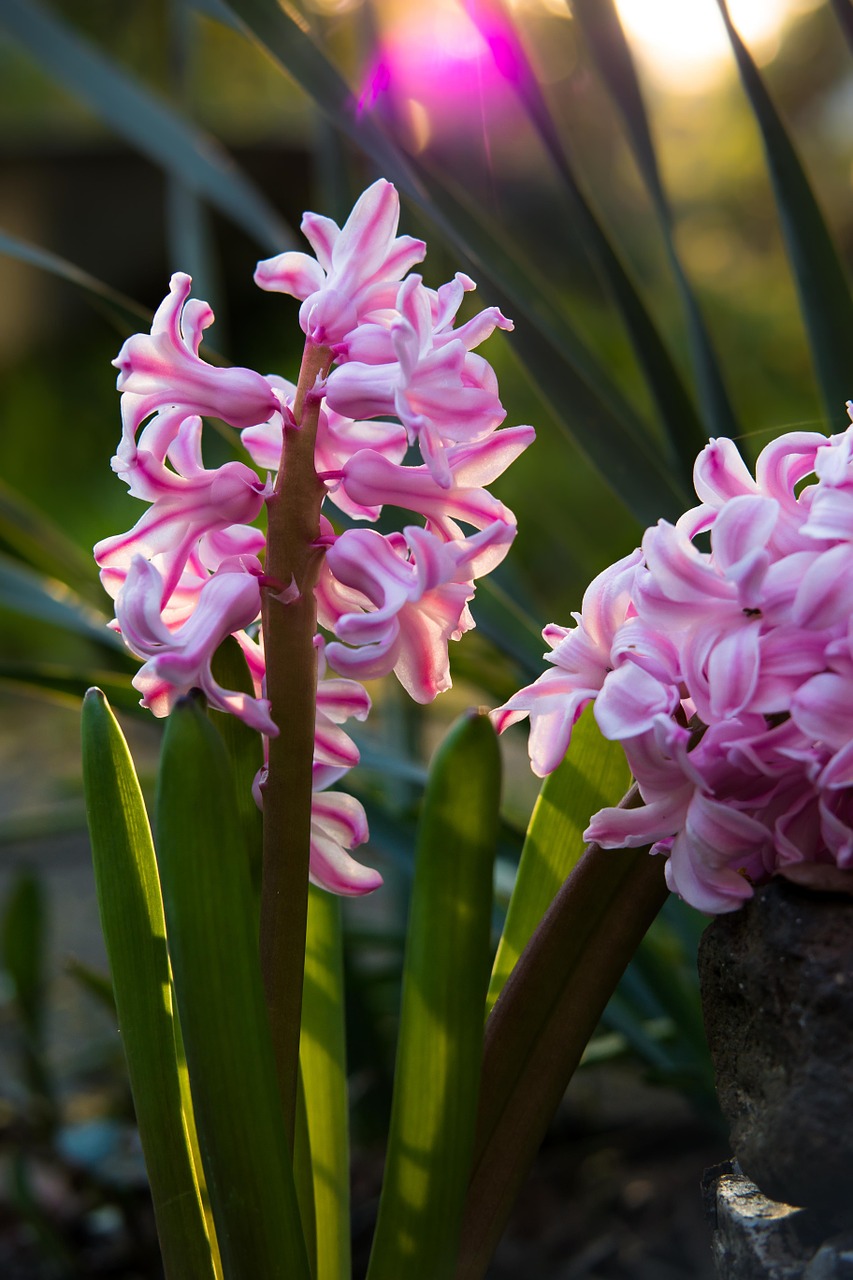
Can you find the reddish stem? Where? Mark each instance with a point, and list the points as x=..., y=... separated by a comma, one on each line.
x=291, y=661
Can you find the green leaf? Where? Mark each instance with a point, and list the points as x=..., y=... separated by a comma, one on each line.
x=675, y=406
x=135, y=934
x=212, y=931
x=46, y=599
x=537, y=1031
x=825, y=299
x=145, y=121
x=599, y=22
x=593, y=774
x=245, y=750
x=441, y=1021
x=580, y=391
x=322, y=1055
x=125, y=313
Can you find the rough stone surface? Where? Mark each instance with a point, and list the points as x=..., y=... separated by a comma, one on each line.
x=777, y=984
x=755, y=1238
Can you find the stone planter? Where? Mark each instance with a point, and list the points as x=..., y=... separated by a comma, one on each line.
x=777, y=991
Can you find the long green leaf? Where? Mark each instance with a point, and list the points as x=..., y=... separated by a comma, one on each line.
x=594, y=774
x=599, y=22
x=825, y=299
x=135, y=935
x=441, y=1022
x=322, y=1054
x=245, y=750
x=145, y=121
x=538, y=1029
x=210, y=918
x=583, y=396
x=675, y=406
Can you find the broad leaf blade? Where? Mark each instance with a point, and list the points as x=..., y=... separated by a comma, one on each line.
x=145, y=121
x=538, y=1029
x=322, y=1055
x=135, y=934
x=213, y=946
x=599, y=22
x=594, y=774
x=825, y=299
x=245, y=750
x=441, y=1023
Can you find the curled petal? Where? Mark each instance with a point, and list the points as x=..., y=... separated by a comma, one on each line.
x=163, y=368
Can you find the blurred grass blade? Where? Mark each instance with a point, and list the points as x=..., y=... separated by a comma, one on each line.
x=322, y=1055
x=145, y=121
x=593, y=774
x=135, y=935
x=602, y=30
x=213, y=946
x=94, y=982
x=675, y=406
x=124, y=312
x=538, y=1029
x=45, y=599
x=67, y=685
x=441, y=1020
x=29, y=533
x=843, y=11
x=24, y=951
x=24, y=942
x=825, y=299
x=583, y=395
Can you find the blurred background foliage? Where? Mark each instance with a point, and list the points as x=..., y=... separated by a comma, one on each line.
x=93, y=172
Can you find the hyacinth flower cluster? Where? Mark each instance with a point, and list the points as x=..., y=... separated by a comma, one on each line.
x=720, y=656
x=393, y=406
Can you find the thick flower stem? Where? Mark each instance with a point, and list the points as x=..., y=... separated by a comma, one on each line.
x=290, y=622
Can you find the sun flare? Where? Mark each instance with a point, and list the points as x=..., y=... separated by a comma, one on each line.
x=684, y=41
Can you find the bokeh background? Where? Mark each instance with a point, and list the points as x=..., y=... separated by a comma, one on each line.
x=615, y=1193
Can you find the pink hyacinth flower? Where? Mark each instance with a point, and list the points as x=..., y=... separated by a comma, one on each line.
x=178, y=661
x=371, y=343
x=581, y=658
x=163, y=368
x=187, y=504
x=370, y=479
x=338, y=824
x=338, y=438
x=398, y=600
x=357, y=269
x=442, y=393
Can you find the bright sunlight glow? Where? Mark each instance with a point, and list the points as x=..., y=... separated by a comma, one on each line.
x=684, y=41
